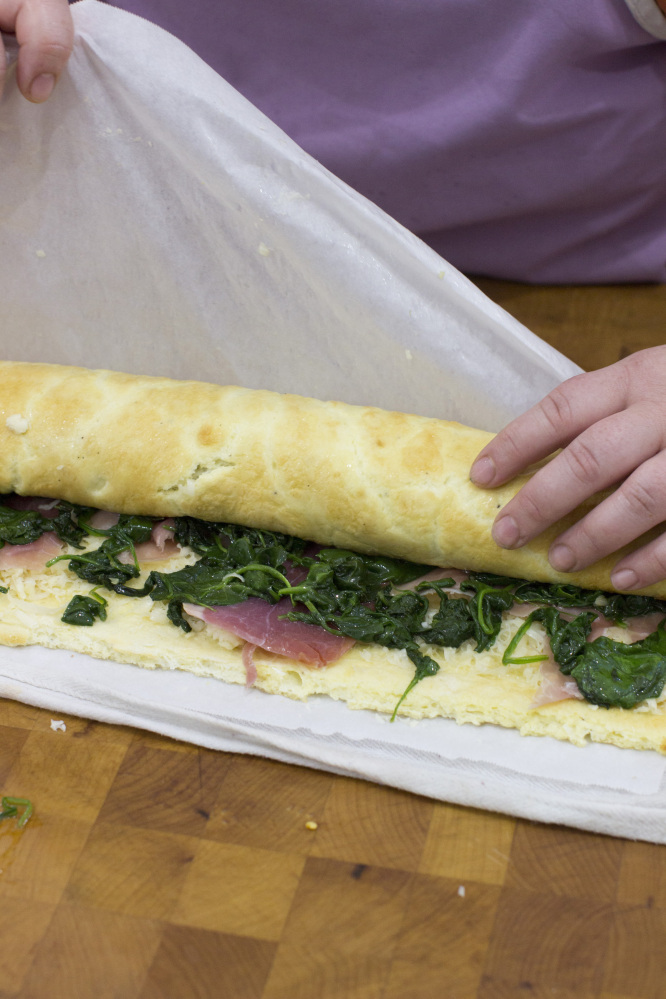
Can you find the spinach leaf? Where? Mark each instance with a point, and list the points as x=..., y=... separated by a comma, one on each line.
x=615, y=606
x=608, y=673
x=567, y=638
x=612, y=674
x=488, y=606
x=209, y=584
x=214, y=540
x=85, y=610
x=369, y=572
x=393, y=620
x=619, y=606
x=479, y=617
x=101, y=566
x=69, y=524
x=21, y=527
x=202, y=537
x=556, y=594
x=494, y=580
x=452, y=624
x=425, y=666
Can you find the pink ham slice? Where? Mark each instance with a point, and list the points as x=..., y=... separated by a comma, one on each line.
x=161, y=545
x=523, y=610
x=32, y=556
x=554, y=685
x=47, y=507
x=257, y=622
x=637, y=628
x=102, y=520
x=248, y=662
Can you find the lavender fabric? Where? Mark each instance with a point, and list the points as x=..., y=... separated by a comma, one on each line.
x=521, y=139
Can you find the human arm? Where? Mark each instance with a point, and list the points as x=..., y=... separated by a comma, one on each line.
x=611, y=425
x=45, y=33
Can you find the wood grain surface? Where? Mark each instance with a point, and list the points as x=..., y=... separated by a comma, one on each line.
x=156, y=870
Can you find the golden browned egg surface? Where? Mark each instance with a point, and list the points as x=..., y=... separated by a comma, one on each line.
x=350, y=476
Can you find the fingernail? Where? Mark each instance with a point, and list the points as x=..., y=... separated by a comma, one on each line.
x=624, y=579
x=41, y=87
x=506, y=533
x=562, y=558
x=482, y=471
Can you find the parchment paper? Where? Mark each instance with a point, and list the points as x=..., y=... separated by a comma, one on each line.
x=151, y=220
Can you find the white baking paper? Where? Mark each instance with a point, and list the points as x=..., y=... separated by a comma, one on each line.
x=151, y=220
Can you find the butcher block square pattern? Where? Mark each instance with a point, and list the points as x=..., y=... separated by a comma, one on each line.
x=153, y=870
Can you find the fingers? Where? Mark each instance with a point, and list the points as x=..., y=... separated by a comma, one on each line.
x=611, y=425
x=634, y=508
x=599, y=457
x=553, y=423
x=45, y=33
x=643, y=567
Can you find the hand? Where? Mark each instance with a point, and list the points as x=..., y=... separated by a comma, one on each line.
x=45, y=34
x=611, y=424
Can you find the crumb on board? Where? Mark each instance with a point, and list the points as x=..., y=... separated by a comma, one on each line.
x=58, y=726
x=311, y=825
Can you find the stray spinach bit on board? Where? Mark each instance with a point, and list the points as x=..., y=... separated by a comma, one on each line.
x=10, y=809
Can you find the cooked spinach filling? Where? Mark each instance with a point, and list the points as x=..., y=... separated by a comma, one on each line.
x=356, y=596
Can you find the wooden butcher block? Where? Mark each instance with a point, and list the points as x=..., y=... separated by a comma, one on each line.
x=156, y=870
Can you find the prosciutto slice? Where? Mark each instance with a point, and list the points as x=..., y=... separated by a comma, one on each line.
x=102, y=520
x=256, y=621
x=554, y=685
x=637, y=628
x=31, y=556
x=248, y=662
x=47, y=507
x=161, y=545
